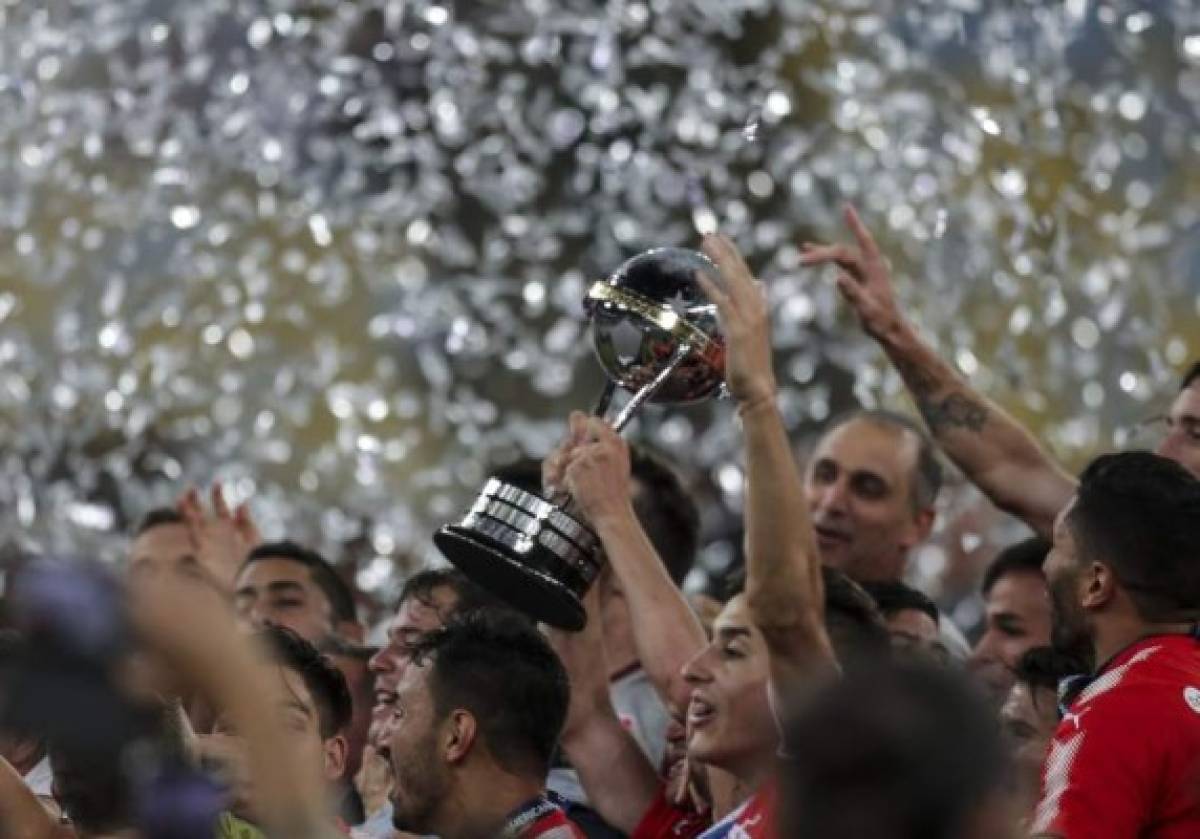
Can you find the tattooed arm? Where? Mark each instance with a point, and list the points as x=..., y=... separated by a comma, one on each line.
x=995, y=452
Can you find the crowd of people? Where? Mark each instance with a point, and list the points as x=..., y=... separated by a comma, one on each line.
x=221, y=685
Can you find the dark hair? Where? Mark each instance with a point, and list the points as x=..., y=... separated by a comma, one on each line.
x=666, y=511
x=468, y=595
x=1192, y=375
x=1139, y=514
x=893, y=596
x=158, y=517
x=855, y=625
x=1044, y=667
x=335, y=589
x=663, y=506
x=1024, y=557
x=903, y=752
x=927, y=472
x=323, y=680
x=501, y=669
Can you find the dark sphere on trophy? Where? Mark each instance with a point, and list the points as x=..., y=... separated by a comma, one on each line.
x=649, y=308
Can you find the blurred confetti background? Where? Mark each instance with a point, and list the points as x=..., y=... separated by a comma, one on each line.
x=333, y=252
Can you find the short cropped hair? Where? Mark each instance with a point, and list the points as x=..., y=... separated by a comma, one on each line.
x=1191, y=376
x=158, y=517
x=324, y=681
x=893, y=596
x=906, y=752
x=1024, y=557
x=331, y=584
x=927, y=472
x=469, y=596
x=502, y=670
x=666, y=511
x=1139, y=514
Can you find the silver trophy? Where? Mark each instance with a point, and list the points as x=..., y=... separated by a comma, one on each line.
x=656, y=336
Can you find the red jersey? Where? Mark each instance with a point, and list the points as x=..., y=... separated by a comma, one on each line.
x=755, y=819
x=1125, y=760
x=664, y=820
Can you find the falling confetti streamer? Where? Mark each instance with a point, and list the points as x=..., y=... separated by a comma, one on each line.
x=333, y=253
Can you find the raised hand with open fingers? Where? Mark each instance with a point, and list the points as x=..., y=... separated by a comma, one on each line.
x=864, y=279
x=745, y=322
x=221, y=538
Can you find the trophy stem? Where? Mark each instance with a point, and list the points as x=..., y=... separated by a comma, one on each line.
x=605, y=399
x=648, y=390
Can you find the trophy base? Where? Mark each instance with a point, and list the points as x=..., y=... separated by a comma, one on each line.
x=527, y=551
x=489, y=564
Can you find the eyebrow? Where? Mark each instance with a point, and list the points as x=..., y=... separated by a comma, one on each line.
x=854, y=473
x=730, y=633
x=275, y=587
x=295, y=704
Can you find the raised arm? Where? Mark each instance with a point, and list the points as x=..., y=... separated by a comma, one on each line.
x=783, y=575
x=993, y=450
x=619, y=781
x=189, y=623
x=666, y=633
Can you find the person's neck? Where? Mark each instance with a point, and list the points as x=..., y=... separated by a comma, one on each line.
x=752, y=774
x=1111, y=637
x=484, y=803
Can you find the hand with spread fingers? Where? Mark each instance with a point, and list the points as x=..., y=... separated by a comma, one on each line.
x=864, y=279
x=745, y=322
x=221, y=540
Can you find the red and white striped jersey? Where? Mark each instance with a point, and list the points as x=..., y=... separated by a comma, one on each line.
x=1125, y=760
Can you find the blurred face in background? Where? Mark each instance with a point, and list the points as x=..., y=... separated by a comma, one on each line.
x=322, y=752
x=282, y=592
x=729, y=717
x=914, y=635
x=1029, y=718
x=162, y=546
x=1016, y=619
x=1181, y=430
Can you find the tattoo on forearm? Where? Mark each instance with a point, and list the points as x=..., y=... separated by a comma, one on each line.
x=955, y=410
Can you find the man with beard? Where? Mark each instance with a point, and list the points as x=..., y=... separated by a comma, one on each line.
x=475, y=720
x=1124, y=576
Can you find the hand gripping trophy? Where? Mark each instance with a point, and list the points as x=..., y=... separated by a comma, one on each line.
x=656, y=336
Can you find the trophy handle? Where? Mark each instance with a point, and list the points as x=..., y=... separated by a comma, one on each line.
x=645, y=393
x=604, y=402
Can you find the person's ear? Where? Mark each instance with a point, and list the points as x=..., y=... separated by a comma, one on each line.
x=337, y=752
x=1099, y=586
x=459, y=734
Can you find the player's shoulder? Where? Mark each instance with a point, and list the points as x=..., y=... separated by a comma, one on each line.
x=1159, y=678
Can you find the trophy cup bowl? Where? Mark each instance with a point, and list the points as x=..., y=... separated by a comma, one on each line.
x=656, y=335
